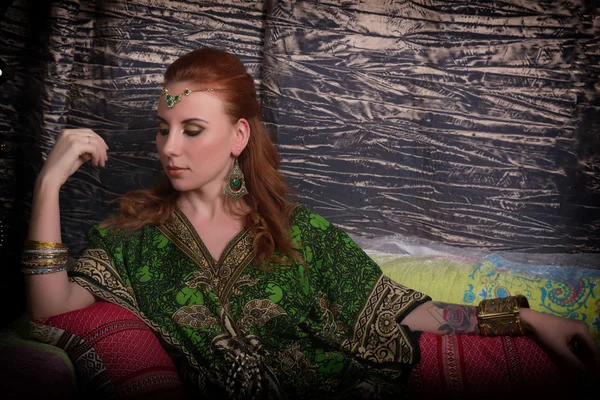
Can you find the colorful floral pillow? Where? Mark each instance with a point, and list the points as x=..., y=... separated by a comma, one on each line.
x=566, y=291
x=115, y=355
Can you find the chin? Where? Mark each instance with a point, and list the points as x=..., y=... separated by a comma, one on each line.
x=180, y=186
x=183, y=186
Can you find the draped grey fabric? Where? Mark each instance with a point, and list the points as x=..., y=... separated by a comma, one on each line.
x=467, y=123
x=471, y=123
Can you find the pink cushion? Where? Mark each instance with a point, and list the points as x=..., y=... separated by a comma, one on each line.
x=476, y=367
x=113, y=351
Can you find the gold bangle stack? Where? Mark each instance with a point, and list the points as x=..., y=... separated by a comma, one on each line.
x=501, y=316
x=43, y=257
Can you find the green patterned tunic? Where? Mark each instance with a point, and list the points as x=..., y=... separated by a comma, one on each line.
x=236, y=330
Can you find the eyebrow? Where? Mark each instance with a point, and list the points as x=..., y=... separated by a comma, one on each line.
x=185, y=121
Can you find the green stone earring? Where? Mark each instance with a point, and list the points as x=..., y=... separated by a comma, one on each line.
x=235, y=187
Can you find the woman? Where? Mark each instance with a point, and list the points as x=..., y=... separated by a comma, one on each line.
x=262, y=297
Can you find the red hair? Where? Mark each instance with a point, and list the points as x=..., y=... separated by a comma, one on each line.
x=270, y=209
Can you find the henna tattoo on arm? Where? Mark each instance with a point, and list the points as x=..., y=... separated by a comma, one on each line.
x=455, y=318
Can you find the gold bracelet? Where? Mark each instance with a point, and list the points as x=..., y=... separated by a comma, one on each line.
x=44, y=263
x=44, y=254
x=501, y=316
x=34, y=244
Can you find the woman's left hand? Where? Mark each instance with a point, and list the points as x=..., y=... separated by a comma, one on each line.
x=557, y=333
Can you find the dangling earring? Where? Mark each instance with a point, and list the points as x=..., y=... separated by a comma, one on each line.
x=235, y=187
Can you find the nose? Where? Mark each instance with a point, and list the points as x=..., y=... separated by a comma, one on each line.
x=173, y=143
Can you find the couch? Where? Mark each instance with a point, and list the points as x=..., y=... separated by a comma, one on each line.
x=106, y=351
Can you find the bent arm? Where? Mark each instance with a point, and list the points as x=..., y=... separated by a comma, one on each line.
x=50, y=294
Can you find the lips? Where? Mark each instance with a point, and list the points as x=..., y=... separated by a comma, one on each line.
x=175, y=172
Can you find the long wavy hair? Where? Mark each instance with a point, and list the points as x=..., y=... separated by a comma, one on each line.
x=269, y=196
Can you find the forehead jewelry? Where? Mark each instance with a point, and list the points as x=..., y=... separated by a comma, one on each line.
x=172, y=99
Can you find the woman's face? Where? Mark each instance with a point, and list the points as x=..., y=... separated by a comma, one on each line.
x=195, y=140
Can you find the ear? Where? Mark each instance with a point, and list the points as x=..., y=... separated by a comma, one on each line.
x=242, y=135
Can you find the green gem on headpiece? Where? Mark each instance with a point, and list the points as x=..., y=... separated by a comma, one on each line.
x=171, y=100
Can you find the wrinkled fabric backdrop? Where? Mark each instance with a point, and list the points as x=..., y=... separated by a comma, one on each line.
x=468, y=123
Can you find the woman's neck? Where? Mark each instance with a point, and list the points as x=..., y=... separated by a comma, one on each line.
x=201, y=206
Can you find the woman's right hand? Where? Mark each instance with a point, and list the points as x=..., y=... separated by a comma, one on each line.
x=73, y=147
x=53, y=294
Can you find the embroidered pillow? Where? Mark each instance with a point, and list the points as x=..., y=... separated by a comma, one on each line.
x=569, y=292
x=114, y=353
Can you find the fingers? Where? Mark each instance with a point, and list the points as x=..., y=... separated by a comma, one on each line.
x=103, y=147
x=89, y=142
x=87, y=149
x=99, y=150
x=567, y=355
x=587, y=351
x=591, y=352
x=73, y=147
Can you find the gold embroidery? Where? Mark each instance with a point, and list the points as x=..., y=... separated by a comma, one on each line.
x=102, y=279
x=244, y=280
x=222, y=277
x=238, y=257
x=377, y=336
x=181, y=232
x=244, y=367
x=259, y=312
x=332, y=330
x=329, y=313
x=294, y=363
x=203, y=278
x=97, y=264
x=196, y=316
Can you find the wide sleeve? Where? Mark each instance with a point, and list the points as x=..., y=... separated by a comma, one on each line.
x=101, y=269
x=358, y=307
